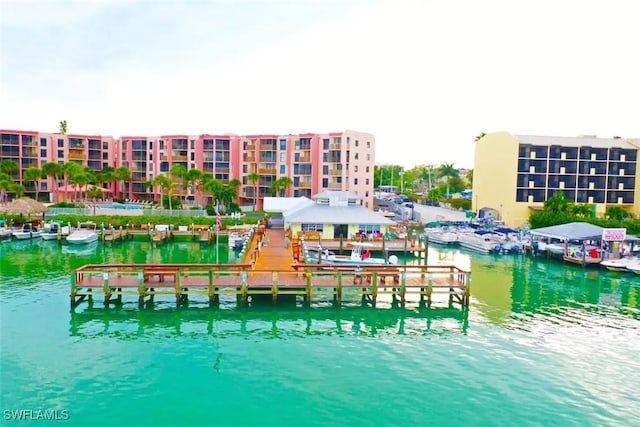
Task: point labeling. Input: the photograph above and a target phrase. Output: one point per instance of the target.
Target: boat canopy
(570, 231)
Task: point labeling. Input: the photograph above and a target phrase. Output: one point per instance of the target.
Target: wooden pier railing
(145, 281)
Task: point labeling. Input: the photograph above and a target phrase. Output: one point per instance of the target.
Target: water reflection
(269, 323)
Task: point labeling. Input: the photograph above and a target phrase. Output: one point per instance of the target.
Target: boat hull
(82, 239)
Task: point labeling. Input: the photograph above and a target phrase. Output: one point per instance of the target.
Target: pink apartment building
(314, 162)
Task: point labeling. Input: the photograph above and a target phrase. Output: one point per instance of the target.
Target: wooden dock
(114, 235)
(113, 281)
(269, 269)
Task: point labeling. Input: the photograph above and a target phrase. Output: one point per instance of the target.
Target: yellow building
(516, 173)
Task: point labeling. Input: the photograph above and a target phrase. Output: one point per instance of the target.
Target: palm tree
(33, 174)
(69, 170)
(52, 170)
(164, 182)
(80, 181)
(18, 189)
(285, 184)
(480, 136)
(63, 127)
(235, 184)
(8, 166)
(226, 194)
(123, 174)
(212, 186)
(179, 171)
(194, 178)
(5, 186)
(253, 177)
(447, 171)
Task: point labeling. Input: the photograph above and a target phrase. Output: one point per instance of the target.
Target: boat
(28, 232)
(443, 237)
(357, 256)
(6, 233)
(54, 231)
(634, 267)
(85, 233)
(620, 264)
(480, 241)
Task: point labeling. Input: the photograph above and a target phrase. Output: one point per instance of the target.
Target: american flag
(219, 220)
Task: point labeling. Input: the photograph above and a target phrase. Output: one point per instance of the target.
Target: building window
(325, 170)
(355, 181)
(355, 168)
(283, 169)
(368, 144)
(43, 142)
(60, 154)
(325, 144)
(355, 156)
(43, 153)
(60, 143)
(312, 227)
(367, 168)
(368, 156)
(367, 182)
(357, 143)
(369, 228)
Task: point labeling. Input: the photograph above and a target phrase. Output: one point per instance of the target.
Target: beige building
(515, 173)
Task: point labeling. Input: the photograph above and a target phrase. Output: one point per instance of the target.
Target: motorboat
(634, 267)
(6, 233)
(28, 232)
(85, 233)
(620, 264)
(54, 231)
(443, 237)
(360, 254)
(481, 241)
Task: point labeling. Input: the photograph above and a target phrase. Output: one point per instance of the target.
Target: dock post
(178, 289)
(243, 289)
(106, 287)
(467, 288)
(74, 290)
(339, 290)
(140, 287)
(374, 288)
(274, 286)
(308, 288)
(403, 287)
(429, 289)
(426, 249)
(212, 289)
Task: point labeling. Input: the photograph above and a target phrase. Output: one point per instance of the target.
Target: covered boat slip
(113, 281)
(582, 243)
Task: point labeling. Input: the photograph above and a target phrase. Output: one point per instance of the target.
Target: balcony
(77, 155)
(179, 158)
(249, 157)
(334, 187)
(335, 172)
(266, 171)
(304, 184)
(29, 152)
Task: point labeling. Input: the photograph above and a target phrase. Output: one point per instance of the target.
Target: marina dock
(269, 270)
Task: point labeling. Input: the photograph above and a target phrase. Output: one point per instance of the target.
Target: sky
(424, 77)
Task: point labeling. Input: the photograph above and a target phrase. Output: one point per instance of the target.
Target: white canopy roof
(570, 231)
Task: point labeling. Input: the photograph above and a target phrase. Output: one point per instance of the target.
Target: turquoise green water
(541, 344)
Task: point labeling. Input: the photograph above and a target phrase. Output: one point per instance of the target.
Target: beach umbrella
(24, 206)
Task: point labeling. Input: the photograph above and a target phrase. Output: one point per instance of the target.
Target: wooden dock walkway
(269, 269)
